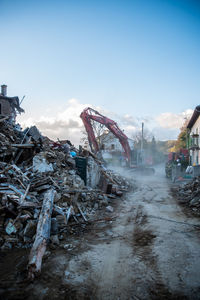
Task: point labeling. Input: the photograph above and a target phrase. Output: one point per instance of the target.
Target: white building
(193, 137)
(109, 142)
(111, 147)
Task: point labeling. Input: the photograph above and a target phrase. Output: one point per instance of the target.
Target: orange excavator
(89, 114)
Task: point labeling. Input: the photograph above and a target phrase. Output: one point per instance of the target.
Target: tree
(137, 137)
(182, 138)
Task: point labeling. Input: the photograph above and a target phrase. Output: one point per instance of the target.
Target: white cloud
(164, 134)
(173, 121)
(67, 124)
(165, 126)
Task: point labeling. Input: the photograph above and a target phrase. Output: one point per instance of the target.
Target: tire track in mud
(145, 278)
(142, 244)
(132, 274)
(145, 236)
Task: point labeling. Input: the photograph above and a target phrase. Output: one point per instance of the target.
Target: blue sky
(136, 58)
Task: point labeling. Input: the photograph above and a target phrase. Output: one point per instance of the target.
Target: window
(112, 146)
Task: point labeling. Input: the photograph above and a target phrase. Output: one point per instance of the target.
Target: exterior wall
(195, 154)
(111, 143)
(112, 149)
(6, 109)
(93, 173)
(196, 127)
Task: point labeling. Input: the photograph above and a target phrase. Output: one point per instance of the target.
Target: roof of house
(194, 117)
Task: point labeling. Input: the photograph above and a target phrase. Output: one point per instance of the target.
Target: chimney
(4, 90)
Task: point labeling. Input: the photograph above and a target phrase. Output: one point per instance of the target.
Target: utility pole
(142, 145)
(142, 140)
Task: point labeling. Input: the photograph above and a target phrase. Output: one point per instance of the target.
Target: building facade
(111, 148)
(193, 140)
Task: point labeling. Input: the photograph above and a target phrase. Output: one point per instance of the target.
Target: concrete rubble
(44, 195)
(189, 194)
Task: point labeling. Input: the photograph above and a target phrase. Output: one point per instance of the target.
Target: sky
(135, 61)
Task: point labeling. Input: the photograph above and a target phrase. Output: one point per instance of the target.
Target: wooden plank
(16, 190)
(81, 212)
(68, 213)
(42, 235)
(56, 185)
(25, 194)
(22, 146)
(107, 176)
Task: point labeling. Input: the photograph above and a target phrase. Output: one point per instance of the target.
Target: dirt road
(150, 251)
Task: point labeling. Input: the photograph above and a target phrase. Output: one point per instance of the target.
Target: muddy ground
(148, 248)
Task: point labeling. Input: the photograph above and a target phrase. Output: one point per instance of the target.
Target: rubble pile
(189, 194)
(9, 135)
(42, 194)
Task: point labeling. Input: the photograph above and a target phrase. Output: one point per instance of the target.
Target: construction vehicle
(89, 114)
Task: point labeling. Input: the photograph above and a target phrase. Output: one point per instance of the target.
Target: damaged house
(111, 148)
(9, 106)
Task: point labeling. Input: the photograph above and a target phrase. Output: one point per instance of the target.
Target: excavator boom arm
(89, 114)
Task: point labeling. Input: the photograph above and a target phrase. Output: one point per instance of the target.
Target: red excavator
(89, 114)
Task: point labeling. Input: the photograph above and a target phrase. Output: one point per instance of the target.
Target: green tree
(181, 141)
(182, 138)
